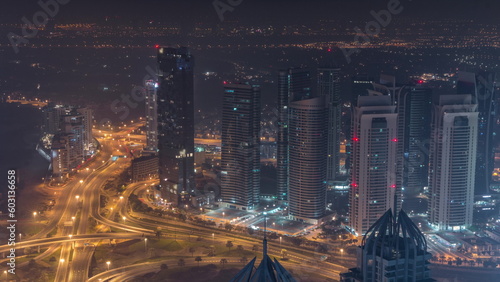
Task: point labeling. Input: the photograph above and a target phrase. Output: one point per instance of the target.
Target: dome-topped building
(391, 250)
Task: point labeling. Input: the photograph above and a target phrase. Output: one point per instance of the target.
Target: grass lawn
(205, 273)
(56, 255)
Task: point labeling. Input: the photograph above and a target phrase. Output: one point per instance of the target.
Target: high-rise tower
(414, 105)
(294, 84)
(240, 174)
(374, 188)
(307, 159)
(329, 87)
(151, 116)
(175, 122)
(452, 162)
(482, 88)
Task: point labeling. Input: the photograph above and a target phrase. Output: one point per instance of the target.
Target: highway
(79, 200)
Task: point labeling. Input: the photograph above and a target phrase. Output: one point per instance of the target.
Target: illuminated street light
(34, 216)
(124, 218)
(145, 244)
(73, 218)
(121, 197)
(108, 263)
(61, 260)
(280, 240)
(77, 197)
(213, 238)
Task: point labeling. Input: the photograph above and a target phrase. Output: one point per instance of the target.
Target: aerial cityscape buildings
(151, 115)
(175, 122)
(482, 88)
(452, 161)
(294, 84)
(189, 141)
(373, 169)
(240, 159)
(307, 122)
(329, 86)
(393, 249)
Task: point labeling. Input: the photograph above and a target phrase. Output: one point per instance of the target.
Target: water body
(19, 132)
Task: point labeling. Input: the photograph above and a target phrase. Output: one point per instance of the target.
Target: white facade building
(374, 188)
(452, 162)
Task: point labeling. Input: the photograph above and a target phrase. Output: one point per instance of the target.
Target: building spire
(264, 242)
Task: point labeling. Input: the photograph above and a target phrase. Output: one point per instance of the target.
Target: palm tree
(255, 248)
(192, 250)
(229, 244)
(181, 262)
(239, 248)
(223, 261)
(243, 259)
(198, 259)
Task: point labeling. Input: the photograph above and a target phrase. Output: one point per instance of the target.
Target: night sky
(251, 10)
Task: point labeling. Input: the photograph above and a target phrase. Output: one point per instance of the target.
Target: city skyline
(250, 140)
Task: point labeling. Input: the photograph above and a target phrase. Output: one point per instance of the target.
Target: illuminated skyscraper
(414, 114)
(482, 88)
(329, 86)
(374, 188)
(151, 116)
(293, 85)
(240, 168)
(452, 162)
(175, 122)
(307, 159)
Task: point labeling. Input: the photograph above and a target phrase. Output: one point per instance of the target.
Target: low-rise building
(144, 168)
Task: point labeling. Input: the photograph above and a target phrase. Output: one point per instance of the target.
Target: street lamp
(34, 216)
(280, 240)
(72, 242)
(81, 180)
(213, 238)
(20, 237)
(108, 263)
(61, 260)
(145, 244)
(124, 218)
(73, 218)
(77, 197)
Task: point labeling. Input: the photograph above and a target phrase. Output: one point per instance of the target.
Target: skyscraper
(175, 122)
(482, 88)
(73, 125)
(151, 116)
(414, 119)
(374, 188)
(307, 159)
(86, 114)
(329, 86)
(452, 162)
(393, 249)
(293, 84)
(240, 159)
